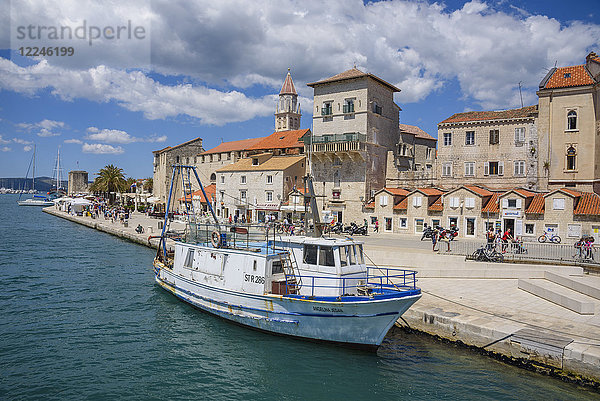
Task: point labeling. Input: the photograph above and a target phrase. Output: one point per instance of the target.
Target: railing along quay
(532, 252)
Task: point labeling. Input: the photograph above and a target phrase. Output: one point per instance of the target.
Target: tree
(109, 179)
(149, 184)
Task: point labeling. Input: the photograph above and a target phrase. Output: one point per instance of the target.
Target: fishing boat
(311, 287)
(36, 199)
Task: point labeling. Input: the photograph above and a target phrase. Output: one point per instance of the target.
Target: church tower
(287, 112)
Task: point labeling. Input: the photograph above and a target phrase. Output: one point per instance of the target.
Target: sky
(127, 78)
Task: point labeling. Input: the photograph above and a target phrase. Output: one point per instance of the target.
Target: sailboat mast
(33, 179)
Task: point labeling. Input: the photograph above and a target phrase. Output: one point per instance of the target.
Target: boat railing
(377, 281)
(234, 236)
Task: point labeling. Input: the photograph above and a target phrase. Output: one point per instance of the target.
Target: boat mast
(33, 179)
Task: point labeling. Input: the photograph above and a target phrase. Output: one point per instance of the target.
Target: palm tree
(109, 179)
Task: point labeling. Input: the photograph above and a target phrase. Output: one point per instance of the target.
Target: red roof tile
(571, 192)
(492, 205)
(525, 193)
(370, 205)
(537, 204)
(210, 192)
(402, 205)
(281, 140)
(436, 206)
(416, 131)
(479, 190)
(351, 74)
(589, 204)
(288, 87)
(523, 112)
(565, 77)
(232, 146)
(397, 191)
(430, 191)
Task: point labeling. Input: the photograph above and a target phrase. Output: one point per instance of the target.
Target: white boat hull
(363, 322)
(33, 202)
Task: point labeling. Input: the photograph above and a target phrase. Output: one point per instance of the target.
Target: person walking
(505, 238)
(490, 236)
(376, 226)
(434, 238)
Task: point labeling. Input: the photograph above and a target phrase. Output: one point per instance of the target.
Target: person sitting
(139, 229)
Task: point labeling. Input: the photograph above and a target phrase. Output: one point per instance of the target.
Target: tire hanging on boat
(215, 238)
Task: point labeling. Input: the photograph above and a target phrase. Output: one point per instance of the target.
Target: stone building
(494, 148)
(256, 186)
(209, 161)
(569, 126)
(355, 123)
(164, 159)
(78, 183)
(411, 164)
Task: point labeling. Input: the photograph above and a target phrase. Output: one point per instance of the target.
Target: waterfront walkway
(502, 308)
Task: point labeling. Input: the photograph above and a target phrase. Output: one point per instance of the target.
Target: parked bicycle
(487, 254)
(549, 237)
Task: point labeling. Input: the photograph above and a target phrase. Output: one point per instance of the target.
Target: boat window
(310, 254)
(189, 259)
(276, 267)
(326, 256)
(343, 258)
(351, 256)
(359, 254)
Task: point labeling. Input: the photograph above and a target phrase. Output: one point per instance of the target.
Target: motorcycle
(337, 228)
(427, 233)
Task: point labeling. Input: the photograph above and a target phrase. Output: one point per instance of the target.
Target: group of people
(438, 234)
(584, 248)
(498, 239)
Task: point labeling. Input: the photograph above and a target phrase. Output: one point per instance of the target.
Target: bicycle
(487, 254)
(549, 237)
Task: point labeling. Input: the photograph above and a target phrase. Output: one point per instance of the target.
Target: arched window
(572, 120)
(571, 158)
(213, 178)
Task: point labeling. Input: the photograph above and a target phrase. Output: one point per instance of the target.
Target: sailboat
(35, 200)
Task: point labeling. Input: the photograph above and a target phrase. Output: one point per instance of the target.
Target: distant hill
(42, 184)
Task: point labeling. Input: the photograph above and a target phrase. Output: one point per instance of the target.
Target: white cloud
(44, 128)
(22, 141)
(73, 140)
(5, 149)
(119, 136)
(99, 148)
(3, 141)
(27, 148)
(487, 47)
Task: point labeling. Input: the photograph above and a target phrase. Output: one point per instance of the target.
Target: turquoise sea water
(81, 318)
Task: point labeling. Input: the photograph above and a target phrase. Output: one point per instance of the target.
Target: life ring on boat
(215, 238)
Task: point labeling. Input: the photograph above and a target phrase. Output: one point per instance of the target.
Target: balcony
(348, 108)
(327, 111)
(353, 145)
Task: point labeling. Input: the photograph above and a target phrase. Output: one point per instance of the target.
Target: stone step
(493, 272)
(559, 295)
(589, 286)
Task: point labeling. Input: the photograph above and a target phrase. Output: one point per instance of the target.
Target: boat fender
(215, 238)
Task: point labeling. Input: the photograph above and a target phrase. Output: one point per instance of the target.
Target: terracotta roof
(210, 192)
(370, 205)
(589, 203)
(232, 146)
(429, 191)
(177, 146)
(565, 77)
(288, 87)
(281, 140)
(436, 206)
(416, 131)
(397, 191)
(351, 74)
(402, 205)
(524, 192)
(537, 204)
(567, 191)
(273, 163)
(479, 190)
(523, 112)
(492, 205)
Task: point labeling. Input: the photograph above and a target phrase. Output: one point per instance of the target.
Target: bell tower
(287, 112)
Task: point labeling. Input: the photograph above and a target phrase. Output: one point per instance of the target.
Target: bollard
(150, 229)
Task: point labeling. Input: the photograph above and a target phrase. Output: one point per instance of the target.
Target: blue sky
(213, 69)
